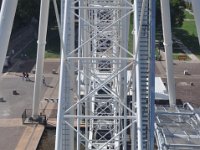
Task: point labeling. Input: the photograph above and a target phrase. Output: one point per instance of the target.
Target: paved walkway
(11, 122)
(34, 133)
(31, 137)
(189, 11)
(20, 136)
(193, 57)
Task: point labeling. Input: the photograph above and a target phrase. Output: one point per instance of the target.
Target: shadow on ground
(21, 66)
(186, 38)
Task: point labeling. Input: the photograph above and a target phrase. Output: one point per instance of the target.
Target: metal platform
(177, 128)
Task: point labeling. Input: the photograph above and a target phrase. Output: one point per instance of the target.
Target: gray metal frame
(177, 128)
(94, 86)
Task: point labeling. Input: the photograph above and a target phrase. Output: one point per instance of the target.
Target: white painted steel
(196, 10)
(60, 114)
(139, 93)
(166, 24)
(79, 107)
(98, 27)
(103, 36)
(101, 64)
(123, 75)
(7, 14)
(43, 22)
(193, 110)
(61, 96)
(86, 70)
(135, 38)
(160, 90)
(176, 129)
(64, 135)
(100, 117)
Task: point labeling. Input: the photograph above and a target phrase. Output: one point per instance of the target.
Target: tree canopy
(29, 9)
(26, 10)
(177, 13)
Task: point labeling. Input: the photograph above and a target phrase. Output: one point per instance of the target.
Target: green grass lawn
(176, 50)
(190, 27)
(188, 15)
(53, 44)
(51, 54)
(130, 39)
(187, 33)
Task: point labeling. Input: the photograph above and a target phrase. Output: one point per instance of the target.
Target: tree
(177, 13)
(26, 10)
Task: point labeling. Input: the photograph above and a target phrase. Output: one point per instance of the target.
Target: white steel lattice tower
(104, 98)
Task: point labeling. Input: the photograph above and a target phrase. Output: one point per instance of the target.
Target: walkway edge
(30, 138)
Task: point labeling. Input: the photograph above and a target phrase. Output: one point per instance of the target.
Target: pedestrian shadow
(49, 86)
(18, 65)
(2, 100)
(26, 79)
(29, 80)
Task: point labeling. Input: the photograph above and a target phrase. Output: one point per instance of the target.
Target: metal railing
(28, 119)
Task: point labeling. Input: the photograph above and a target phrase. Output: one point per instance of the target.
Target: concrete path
(30, 138)
(20, 136)
(189, 11)
(32, 135)
(193, 57)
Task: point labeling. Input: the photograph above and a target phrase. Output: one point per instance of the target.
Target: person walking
(23, 75)
(27, 77)
(43, 81)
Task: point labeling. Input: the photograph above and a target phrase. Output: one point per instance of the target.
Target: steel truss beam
(95, 89)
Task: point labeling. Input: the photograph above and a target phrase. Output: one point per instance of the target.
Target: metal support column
(44, 12)
(135, 35)
(167, 35)
(152, 73)
(65, 136)
(196, 10)
(8, 9)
